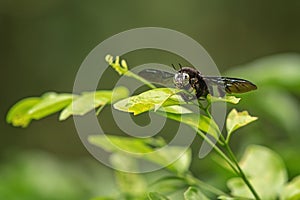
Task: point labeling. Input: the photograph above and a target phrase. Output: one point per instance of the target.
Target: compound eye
(186, 76)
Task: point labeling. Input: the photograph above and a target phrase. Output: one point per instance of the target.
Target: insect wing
(157, 76)
(231, 85)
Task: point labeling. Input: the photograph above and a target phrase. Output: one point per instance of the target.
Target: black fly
(191, 80)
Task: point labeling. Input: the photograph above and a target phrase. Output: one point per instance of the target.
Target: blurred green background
(44, 42)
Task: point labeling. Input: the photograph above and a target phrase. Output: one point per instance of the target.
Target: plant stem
(240, 172)
(232, 161)
(137, 77)
(120, 66)
(218, 151)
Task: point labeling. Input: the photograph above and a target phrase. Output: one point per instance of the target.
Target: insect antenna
(173, 67)
(180, 66)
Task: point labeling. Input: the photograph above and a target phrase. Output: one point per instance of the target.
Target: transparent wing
(157, 76)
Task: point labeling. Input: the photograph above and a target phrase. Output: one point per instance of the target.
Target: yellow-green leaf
(265, 170)
(176, 109)
(228, 99)
(120, 144)
(197, 122)
(236, 120)
(36, 108)
(150, 149)
(149, 100)
(157, 196)
(193, 193)
(50, 103)
(18, 114)
(291, 191)
(132, 184)
(88, 101)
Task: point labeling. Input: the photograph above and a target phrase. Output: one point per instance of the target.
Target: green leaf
(131, 184)
(146, 148)
(181, 165)
(228, 99)
(291, 191)
(264, 169)
(193, 193)
(176, 109)
(169, 184)
(88, 101)
(85, 102)
(18, 114)
(50, 103)
(120, 144)
(36, 108)
(236, 120)
(157, 196)
(197, 122)
(149, 100)
(233, 198)
(154, 99)
(119, 93)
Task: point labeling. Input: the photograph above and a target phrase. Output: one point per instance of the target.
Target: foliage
(260, 174)
(37, 108)
(236, 120)
(38, 175)
(277, 78)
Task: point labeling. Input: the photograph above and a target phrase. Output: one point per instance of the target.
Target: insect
(192, 80)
